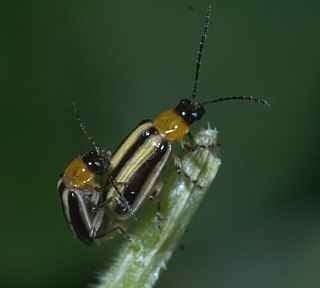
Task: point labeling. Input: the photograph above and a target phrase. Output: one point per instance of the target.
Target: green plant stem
(140, 264)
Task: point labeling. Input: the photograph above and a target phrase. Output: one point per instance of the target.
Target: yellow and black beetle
(94, 211)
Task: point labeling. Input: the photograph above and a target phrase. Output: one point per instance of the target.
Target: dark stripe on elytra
(61, 188)
(142, 174)
(76, 219)
(133, 148)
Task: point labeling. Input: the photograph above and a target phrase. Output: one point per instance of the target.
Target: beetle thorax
(170, 125)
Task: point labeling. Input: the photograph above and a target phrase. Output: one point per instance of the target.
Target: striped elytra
(80, 194)
(135, 167)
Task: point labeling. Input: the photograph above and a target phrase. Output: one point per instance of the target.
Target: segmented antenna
(243, 97)
(84, 129)
(102, 153)
(198, 62)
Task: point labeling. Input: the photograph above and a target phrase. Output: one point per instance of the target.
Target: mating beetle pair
(100, 192)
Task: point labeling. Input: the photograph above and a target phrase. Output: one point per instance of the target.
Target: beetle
(81, 195)
(140, 159)
(96, 209)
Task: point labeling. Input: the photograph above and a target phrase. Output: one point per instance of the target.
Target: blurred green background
(124, 61)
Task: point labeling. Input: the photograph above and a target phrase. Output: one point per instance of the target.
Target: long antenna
(243, 97)
(84, 129)
(198, 62)
(102, 153)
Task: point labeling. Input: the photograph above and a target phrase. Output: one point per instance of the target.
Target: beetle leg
(121, 200)
(109, 234)
(121, 231)
(188, 145)
(179, 169)
(192, 146)
(155, 191)
(177, 163)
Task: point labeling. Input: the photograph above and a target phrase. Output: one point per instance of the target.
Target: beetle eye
(198, 112)
(190, 111)
(94, 162)
(184, 102)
